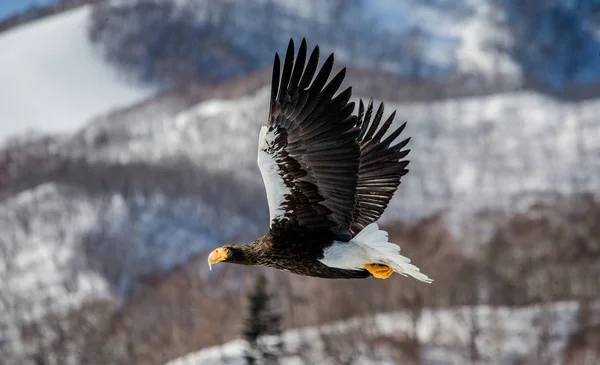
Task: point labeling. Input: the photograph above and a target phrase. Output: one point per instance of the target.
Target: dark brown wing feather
(314, 144)
(382, 165)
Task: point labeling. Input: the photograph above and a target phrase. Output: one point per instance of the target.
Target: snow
(466, 154)
(505, 334)
(37, 258)
(41, 228)
(456, 37)
(201, 133)
(473, 54)
(58, 240)
(474, 153)
(52, 79)
(482, 152)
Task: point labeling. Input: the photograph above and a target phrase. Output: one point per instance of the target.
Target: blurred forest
(156, 212)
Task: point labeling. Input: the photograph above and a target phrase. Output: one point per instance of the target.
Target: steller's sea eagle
(329, 175)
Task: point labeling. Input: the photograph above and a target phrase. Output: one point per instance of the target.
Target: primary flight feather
(328, 175)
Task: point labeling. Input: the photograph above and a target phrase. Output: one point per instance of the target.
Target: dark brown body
(313, 267)
(299, 254)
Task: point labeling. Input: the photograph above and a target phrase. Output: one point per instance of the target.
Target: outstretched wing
(308, 153)
(381, 165)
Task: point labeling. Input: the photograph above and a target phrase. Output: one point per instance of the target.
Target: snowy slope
(62, 246)
(53, 80)
(40, 256)
(506, 334)
(468, 153)
(444, 37)
(458, 34)
(483, 42)
(380, 34)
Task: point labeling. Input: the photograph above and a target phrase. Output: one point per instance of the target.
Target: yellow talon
(379, 271)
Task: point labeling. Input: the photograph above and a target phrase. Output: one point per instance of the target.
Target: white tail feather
(387, 253)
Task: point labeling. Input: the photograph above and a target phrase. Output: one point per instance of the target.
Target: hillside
(453, 336)
(468, 153)
(58, 84)
(495, 45)
(112, 192)
(140, 192)
(435, 41)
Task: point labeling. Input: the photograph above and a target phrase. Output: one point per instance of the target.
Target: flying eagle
(329, 175)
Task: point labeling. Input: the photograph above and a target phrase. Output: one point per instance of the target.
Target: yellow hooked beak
(218, 255)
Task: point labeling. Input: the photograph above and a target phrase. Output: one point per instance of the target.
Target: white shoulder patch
(274, 186)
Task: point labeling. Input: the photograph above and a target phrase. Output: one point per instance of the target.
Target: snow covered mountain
(472, 152)
(453, 336)
(54, 81)
(121, 191)
(409, 38)
(123, 194)
(491, 44)
(138, 191)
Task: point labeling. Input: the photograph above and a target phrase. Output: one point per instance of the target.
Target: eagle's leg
(379, 271)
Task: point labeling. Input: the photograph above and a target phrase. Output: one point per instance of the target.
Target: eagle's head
(236, 254)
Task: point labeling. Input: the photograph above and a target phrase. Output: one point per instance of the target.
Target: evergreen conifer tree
(262, 322)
